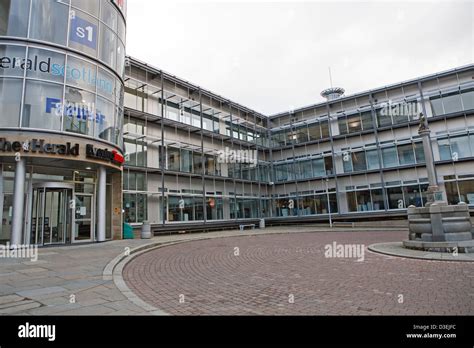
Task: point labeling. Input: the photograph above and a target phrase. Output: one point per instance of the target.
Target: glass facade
(54, 81)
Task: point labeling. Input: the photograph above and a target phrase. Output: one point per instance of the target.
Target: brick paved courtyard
(206, 277)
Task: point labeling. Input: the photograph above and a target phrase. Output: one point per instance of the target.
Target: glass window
(468, 100)
(42, 108)
(10, 101)
(383, 117)
(11, 60)
(460, 147)
(452, 103)
(121, 28)
(104, 119)
(314, 131)
(91, 7)
(358, 161)
(419, 153)
(81, 73)
(281, 173)
(324, 129)
(342, 122)
(46, 65)
(46, 17)
(347, 162)
(106, 85)
(377, 199)
(366, 118)
(372, 159)
(14, 17)
(466, 191)
(173, 159)
(197, 163)
(108, 42)
(389, 157)
(353, 124)
(186, 161)
(328, 165)
(413, 196)
(444, 149)
(406, 154)
(452, 192)
(437, 106)
(108, 15)
(79, 111)
(83, 32)
(395, 198)
(318, 167)
(121, 59)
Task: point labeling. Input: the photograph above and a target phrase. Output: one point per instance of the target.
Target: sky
(275, 56)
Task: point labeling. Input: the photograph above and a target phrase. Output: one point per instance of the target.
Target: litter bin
(127, 231)
(262, 224)
(146, 230)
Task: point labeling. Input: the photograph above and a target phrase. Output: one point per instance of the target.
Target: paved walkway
(76, 280)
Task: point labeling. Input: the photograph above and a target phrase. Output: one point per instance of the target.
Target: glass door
(51, 215)
(83, 217)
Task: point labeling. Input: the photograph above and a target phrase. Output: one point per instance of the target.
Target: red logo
(118, 157)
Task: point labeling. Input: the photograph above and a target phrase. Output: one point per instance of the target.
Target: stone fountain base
(440, 227)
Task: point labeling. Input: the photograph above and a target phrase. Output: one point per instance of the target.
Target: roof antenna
(333, 92)
(330, 76)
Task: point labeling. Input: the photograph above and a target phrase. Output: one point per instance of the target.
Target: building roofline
(376, 90)
(183, 82)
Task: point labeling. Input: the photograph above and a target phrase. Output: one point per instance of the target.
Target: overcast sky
(274, 56)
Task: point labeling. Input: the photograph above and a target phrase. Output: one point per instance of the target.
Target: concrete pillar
(101, 204)
(18, 202)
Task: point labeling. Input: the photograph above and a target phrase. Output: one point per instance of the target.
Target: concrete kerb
(396, 249)
(114, 269)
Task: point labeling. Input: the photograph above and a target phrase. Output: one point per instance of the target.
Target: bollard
(262, 224)
(146, 230)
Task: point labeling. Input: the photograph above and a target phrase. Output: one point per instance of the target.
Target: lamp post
(329, 204)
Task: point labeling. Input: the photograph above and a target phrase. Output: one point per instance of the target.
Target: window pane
(79, 111)
(108, 14)
(444, 149)
(104, 119)
(419, 153)
(437, 106)
(354, 124)
(372, 159)
(366, 118)
(108, 46)
(395, 198)
(389, 157)
(14, 17)
(358, 161)
(314, 131)
(406, 154)
(43, 106)
(11, 60)
(81, 73)
(91, 7)
(46, 65)
(466, 191)
(10, 100)
(46, 17)
(468, 100)
(83, 32)
(342, 122)
(452, 103)
(460, 147)
(318, 167)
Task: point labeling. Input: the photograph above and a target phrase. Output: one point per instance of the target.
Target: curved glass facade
(62, 80)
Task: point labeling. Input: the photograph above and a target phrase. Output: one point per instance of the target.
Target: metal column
(101, 205)
(18, 202)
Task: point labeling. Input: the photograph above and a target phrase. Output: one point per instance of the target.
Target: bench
(343, 224)
(241, 227)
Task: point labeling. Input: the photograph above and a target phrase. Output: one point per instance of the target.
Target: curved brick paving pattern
(270, 268)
